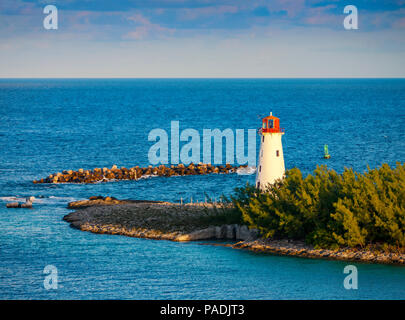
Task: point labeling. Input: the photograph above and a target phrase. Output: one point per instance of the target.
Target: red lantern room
(271, 124)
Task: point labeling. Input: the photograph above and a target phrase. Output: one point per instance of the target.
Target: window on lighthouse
(277, 153)
(271, 124)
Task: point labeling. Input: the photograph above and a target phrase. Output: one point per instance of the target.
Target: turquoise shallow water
(51, 125)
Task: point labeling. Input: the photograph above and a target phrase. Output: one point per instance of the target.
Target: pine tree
(328, 209)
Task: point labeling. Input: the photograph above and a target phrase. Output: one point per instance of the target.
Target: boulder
(203, 234)
(13, 205)
(230, 231)
(219, 233)
(27, 204)
(96, 197)
(110, 175)
(243, 233)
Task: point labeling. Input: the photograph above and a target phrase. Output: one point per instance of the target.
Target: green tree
(328, 209)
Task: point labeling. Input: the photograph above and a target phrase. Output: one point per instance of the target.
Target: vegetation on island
(330, 210)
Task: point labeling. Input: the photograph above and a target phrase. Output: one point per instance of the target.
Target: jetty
(178, 222)
(135, 173)
(157, 220)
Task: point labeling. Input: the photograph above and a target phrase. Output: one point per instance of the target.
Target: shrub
(328, 209)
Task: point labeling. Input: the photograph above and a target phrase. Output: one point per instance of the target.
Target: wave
(40, 199)
(13, 199)
(53, 199)
(246, 170)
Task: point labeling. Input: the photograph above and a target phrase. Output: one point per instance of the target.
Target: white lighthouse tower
(271, 158)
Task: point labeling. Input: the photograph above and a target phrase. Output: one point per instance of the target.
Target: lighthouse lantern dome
(271, 124)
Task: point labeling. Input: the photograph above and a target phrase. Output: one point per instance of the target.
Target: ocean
(49, 125)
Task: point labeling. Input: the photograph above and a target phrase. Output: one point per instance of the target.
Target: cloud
(400, 23)
(206, 12)
(208, 38)
(146, 29)
(108, 19)
(323, 15)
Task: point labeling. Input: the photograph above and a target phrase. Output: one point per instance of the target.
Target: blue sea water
(50, 125)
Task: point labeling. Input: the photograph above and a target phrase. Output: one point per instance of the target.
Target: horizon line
(157, 78)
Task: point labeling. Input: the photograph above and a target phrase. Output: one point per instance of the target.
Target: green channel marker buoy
(326, 155)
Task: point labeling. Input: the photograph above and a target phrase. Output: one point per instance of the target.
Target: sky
(202, 38)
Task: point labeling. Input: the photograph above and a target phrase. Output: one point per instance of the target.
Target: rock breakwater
(135, 173)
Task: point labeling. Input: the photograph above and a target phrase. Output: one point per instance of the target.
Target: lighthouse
(271, 159)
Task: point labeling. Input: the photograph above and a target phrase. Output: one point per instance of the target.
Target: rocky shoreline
(154, 220)
(197, 222)
(300, 249)
(134, 173)
(103, 201)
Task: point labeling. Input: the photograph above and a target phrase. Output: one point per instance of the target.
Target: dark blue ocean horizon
(49, 125)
